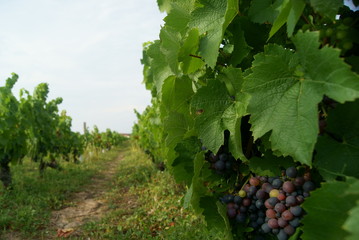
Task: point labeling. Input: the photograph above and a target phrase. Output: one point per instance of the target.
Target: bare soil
(85, 206)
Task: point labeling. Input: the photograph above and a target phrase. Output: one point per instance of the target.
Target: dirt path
(88, 205)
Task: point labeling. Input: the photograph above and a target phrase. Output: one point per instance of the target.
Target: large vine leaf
(188, 51)
(159, 66)
(211, 18)
(180, 14)
(339, 155)
(219, 111)
(327, 210)
(176, 96)
(327, 8)
(351, 224)
(289, 13)
(264, 11)
(170, 47)
(285, 88)
(183, 166)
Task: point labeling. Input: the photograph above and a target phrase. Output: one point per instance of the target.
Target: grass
(146, 204)
(26, 210)
(143, 202)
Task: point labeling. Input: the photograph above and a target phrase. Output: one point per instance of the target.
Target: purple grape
(228, 165)
(291, 201)
(282, 235)
(287, 215)
(260, 220)
(308, 186)
(299, 181)
(296, 211)
(279, 207)
(241, 218)
(227, 198)
(261, 194)
(275, 231)
(265, 228)
(237, 199)
(252, 190)
(282, 223)
(223, 157)
(220, 165)
(273, 223)
(259, 204)
(288, 187)
(277, 183)
(295, 222)
(291, 172)
(242, 209)
(231, 212)
(246, 202)
(289, 229)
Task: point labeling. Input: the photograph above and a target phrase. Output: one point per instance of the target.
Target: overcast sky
(88, 51)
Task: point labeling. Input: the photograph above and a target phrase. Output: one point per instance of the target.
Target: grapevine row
(242, 91)
(33, 127)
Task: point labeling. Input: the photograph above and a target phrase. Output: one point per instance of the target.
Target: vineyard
(33, 127)
(255, 110)
(252, 134)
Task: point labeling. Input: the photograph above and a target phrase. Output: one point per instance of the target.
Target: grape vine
(32, 126)
(244, 90)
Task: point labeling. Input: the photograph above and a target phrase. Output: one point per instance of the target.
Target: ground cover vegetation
(255, 110)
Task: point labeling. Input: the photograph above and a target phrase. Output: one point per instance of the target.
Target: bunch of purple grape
(222, 163)
(271, 205)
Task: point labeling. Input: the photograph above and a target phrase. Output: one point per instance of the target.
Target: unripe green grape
(329, 32)
(341, 34)
(242, 193)
(347, 45)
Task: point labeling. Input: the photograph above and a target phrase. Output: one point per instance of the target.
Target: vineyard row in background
(33, 127)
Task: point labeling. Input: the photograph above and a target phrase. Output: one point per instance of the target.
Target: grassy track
(142, 203)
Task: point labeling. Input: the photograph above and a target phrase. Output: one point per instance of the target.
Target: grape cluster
(222, 163)
(271, 205)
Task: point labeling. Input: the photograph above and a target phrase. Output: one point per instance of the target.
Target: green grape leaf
(188, 51)
(241, 48)
(264, 11)
(269, 165)
(327, 8)
(218, 111)
(211, 213)
(294, 15)
(170, 47)
(327, 209)
(339, 156)
(211, 18)
(176, 96)
(351, 224)
(159, 67)
(290, 13)
(197, 189)
(285, 88)
(343, 121)
(164, 5)
(180, 15)
(183, 163)
(335, 158)
(177, 93)
(176, 125)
